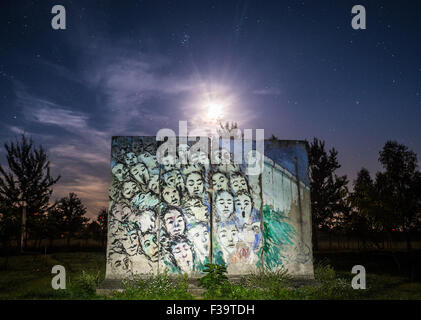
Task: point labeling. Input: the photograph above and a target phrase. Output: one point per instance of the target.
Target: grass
(29, 277)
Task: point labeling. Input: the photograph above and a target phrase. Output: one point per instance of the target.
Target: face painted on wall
(174, 222)
(238, 183)
(169, 162)
(121, 212)
(130, 242)
(200, 158)
(243, 206)
(149, 246)
(228, 237)
(171, 196)
(179, 181)
(140, 173)
(196, 208)
(130, 159)
(222, 156)
(224, 205)
(149, 160)
(174, 179)
(194, 184)
(153, 184)
(147, 221)
(183, 153)
(130, 189)
(250, 231)
(120, 172)
(219, 182)
(199, 235)
(118, 262)
(183, 255)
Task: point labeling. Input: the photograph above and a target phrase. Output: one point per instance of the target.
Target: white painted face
(171, 196)
(130, 159)
(183, 153)
(197, 209)
(191, 168)
(194, 184)
(238, 183)
(228, 237)
(179, 181)
(224, 205)
(243, 206)
(117, 262)
(200, 158)
(222, 156)
(199, 235)
(220, 182)
(183, 254)
(121, 213)
(154, 184)
(149, 246)
(149, 160)
(130, 242)
(119, 171)
(174, 179)
(147, 221)
(130, 189)
(169, 162)
(174, 223)
(140, 173)
(250, 231)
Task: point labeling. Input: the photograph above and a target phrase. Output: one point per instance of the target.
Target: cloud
(267, 91)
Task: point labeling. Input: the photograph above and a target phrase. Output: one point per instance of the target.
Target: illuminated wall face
(175, 217)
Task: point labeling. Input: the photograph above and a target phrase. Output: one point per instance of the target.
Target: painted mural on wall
(237, 236)
(162, 214)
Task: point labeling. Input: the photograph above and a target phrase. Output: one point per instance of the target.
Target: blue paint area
(283, 153)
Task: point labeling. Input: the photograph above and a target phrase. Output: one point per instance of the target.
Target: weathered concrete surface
(176, 217)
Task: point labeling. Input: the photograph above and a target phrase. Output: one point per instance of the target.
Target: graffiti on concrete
(179, 213)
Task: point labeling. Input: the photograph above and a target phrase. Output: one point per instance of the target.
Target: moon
(215, 110)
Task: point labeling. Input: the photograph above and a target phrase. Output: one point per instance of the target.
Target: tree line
(26, 209)
(375, 207)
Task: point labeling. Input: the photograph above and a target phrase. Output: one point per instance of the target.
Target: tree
(55, 224)
(328, 191)
(73, 213)
(99, 227)
(399, 188)
(103, 223)
(27, 182)
(366, 218)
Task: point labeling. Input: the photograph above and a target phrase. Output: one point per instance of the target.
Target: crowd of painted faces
(179, 239)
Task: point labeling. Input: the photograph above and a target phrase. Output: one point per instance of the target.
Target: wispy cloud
(267, 91)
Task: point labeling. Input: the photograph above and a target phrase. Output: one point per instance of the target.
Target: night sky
(294, 68)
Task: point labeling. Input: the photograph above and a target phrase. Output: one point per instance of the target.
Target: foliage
(159, 287)
(399, 186)
(328, 191)
(330, 286)
(393, 200)
(27, 180)
(73, 212)
(84, 286)
(215, 280)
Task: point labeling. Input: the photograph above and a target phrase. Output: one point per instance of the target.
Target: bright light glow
(215, 110)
